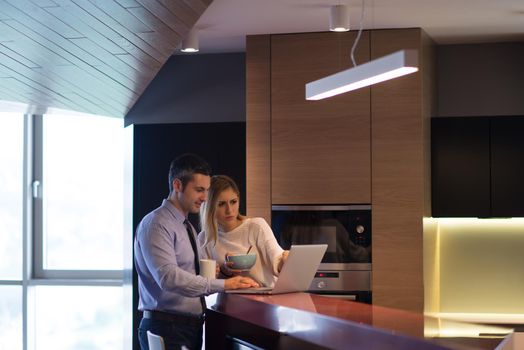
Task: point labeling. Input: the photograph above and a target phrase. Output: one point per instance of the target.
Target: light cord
(359, 34)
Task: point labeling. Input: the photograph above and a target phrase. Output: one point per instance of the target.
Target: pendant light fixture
(190, 42)
(385, 68)
(339, 18)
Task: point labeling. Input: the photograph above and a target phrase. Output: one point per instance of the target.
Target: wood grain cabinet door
(320, 150)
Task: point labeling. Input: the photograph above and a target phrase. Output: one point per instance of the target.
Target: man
(170, 290)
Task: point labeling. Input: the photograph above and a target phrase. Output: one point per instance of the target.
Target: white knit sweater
(251, 232)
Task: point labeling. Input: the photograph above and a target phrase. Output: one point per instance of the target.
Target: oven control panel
(327, 275)
(341, 281)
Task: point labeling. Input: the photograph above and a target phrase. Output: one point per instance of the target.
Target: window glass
(83, 197)
(11, 195)
(11, 318)
(78, 317)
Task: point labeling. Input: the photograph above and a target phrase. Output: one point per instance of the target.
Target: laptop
(296, 274)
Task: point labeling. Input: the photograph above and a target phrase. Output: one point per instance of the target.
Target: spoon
(249, 249)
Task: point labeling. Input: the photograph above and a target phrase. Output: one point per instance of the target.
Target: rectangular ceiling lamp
(388, 67)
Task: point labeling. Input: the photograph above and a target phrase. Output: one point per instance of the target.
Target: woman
(226, 232)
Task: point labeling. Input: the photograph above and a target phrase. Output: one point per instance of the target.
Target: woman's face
(227, 209)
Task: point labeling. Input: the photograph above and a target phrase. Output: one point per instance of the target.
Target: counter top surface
(331, 322)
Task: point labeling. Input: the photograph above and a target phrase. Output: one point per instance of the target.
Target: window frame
(39, 271)
(33, 273)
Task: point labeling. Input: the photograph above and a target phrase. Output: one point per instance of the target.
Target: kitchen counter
(309, 321)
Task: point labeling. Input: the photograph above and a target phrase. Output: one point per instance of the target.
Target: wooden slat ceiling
(90, 56)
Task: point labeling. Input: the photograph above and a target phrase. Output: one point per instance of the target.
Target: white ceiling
(224, 25)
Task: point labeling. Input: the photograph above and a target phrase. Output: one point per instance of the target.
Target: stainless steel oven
(346, 229)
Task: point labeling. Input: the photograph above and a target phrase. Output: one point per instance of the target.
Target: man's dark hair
(183, 167)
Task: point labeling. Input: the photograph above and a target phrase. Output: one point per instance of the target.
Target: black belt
(175, 318)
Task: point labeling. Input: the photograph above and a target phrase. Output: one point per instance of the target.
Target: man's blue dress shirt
(164, 260)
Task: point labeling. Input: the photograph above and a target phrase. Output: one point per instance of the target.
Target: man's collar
(174, 210)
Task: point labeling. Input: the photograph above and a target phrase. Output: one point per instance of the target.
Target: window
(11, 317)
(65, 291)
(82, 196)
(11, 195)
(78, 317)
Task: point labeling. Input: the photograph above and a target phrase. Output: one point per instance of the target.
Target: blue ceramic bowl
(242, 261)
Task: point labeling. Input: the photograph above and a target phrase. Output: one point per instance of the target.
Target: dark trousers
(175, 335)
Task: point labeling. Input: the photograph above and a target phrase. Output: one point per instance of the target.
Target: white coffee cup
(208, 268)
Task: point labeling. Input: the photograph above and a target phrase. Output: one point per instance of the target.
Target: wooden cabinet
(320, 150)
(258, 127)
(400, 116)
(477, 167)
(367, 146)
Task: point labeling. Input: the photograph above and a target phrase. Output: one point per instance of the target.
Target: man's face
(194, 194)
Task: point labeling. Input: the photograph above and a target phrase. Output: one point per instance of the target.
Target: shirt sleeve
(268, 243)
(158, 250)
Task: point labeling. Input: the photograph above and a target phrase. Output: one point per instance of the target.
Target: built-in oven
(346, 267)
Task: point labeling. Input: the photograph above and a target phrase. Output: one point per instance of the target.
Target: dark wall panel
(194, 89)
(223, 145)
(480, 79)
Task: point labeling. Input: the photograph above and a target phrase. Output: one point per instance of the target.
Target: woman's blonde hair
(219, 183)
